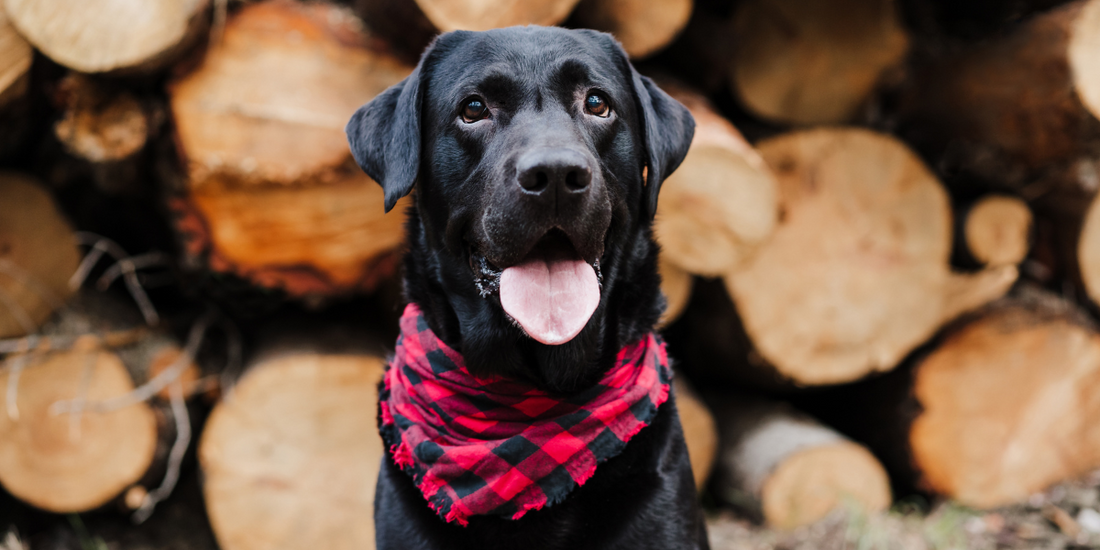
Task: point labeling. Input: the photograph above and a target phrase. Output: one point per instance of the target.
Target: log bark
(700, 432)
(997, 230)
(15, 61)
(1018, 111)
(482, 15)
(810, 62)
(272, 193)
(721, 204)
(109, 35)
(999, 408)
(787, 468)
(291, 460)
(861, 219)
(642, 26)
(38, 254)
(73, 463)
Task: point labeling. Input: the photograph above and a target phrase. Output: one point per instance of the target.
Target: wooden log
(67, 462)
(38, 254)
(272, 193)
(109, 35)
(997, 230)
(721, 204)
(99, 122)
(642, 26)
(1002, 405)
(1016, 108)
(1088, 251)
(15, 61)
(788, 469)
(482, 15)
(862, 218)
(291, 460)
(700, 432)
(676, 286)
(812, 62)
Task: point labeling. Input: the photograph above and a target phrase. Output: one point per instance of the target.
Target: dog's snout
(545, 171)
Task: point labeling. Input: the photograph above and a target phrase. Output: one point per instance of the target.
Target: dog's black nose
(540, 170)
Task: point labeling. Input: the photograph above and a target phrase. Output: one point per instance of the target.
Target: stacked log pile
(880, 257)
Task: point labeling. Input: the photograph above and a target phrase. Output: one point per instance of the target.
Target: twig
(39, 343)
(175, 456)
(233, 359)
(157, 383)
(124, 264)
(78, 403)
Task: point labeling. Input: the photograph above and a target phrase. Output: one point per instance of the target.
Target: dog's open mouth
(551, 293)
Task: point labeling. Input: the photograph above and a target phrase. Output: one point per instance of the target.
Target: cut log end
(676, 286)
(100, 124)
(38, 254)
(997, 231)
(811, 483)
(1088, 251)
(482, 15)
(65, 464)
(15, 61)
(291, 461)
(107, 36)
(721, 203)
(272, 192)
(700, 431)
(862, 217)
(1084, 63)
(1031, 424)
(642, 26)
(812, 62)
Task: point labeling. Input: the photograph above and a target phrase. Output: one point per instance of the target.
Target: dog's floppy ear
(384, 136)
(667, 127)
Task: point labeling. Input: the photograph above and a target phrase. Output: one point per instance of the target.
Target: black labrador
(521, 141)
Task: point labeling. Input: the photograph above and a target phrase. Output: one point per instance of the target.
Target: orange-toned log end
(38, 254)
(997, 230)
(676, 285)
(1009, 404)
(63, 463)
(813, 61)
(291, 461)
(643, 27)
(482, 15)
(272, 193)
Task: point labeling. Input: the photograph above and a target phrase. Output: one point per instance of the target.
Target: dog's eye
(595, 104)
(474, 110)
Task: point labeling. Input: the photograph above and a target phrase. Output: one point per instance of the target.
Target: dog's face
(537, 154)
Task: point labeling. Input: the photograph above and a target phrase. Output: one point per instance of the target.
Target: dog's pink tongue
(550, 297)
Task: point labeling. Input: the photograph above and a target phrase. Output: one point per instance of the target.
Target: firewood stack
(881, 255)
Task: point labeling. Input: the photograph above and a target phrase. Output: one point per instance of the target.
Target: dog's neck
(491, 344)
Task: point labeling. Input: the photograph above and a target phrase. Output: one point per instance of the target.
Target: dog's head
(537, 154)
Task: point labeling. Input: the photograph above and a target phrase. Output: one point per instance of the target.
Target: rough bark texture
(811, 61)
(15, 61)
(272, 193)
(642, 26)
(291, 460)
(66, 463)
(788, 468)
(861, 218)
(38, 254)
(721, 203)
(482, 15)
(108, 35)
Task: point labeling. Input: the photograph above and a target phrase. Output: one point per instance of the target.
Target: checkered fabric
(497, 446)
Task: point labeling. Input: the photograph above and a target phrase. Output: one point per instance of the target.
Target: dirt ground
(1066, 517)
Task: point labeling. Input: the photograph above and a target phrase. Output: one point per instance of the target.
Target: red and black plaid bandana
(495, 446)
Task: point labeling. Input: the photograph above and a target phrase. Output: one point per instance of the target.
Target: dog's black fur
(475, 214)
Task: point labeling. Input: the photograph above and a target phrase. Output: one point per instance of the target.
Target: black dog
(537, 143)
